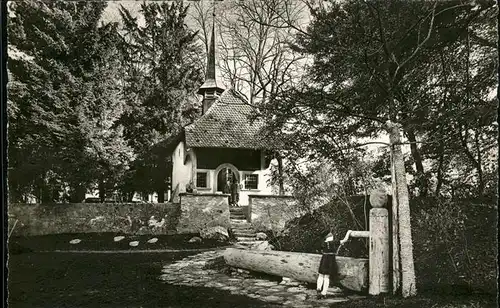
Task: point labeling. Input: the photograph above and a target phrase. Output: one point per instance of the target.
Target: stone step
(246, 238)
(236, 227)
(248, 243)
(237, 209)
(244, 233)
(239, 221)
(242, 229)
(238, 216)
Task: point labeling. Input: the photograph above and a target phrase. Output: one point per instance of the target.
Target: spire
(210, 88)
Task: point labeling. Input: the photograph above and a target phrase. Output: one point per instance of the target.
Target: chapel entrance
(225, 175)
(228, 183)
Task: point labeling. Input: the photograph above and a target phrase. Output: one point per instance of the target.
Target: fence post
(379, 252)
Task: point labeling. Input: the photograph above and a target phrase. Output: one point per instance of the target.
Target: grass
(104, 241)
(111, 280)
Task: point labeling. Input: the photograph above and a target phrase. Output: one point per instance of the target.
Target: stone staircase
(241, 227)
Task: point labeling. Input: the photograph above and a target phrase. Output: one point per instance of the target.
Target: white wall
(263, 188)
(181, 173)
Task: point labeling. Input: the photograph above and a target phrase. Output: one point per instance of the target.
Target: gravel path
(194, 271)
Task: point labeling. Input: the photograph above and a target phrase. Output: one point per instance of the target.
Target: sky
(134, 6)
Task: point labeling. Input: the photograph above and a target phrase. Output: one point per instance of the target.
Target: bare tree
(254, 47)
(202, 16)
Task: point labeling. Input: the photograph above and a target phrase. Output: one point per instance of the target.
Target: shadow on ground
(107, 280)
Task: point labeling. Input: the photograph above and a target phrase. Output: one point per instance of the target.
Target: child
(327, 267)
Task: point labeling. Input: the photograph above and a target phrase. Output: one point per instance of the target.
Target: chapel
(222, 147)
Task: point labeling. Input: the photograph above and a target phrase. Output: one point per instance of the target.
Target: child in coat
(328, 270)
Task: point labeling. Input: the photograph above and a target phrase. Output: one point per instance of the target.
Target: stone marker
(217, 232)
(261, 236)
(289, 281)
(195, 240)
(118, 238)
(134, 243)
(75, 241)
(264, 245)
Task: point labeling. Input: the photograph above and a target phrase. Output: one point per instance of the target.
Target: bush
(305, 234)
(455, 243)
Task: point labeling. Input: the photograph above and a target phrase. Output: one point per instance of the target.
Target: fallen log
(353, 272)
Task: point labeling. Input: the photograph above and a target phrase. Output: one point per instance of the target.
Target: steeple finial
(210, 74)
(210, 88)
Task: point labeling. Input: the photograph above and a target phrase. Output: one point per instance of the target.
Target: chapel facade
(222, 147)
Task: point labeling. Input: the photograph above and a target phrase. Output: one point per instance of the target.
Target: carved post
(379, 252)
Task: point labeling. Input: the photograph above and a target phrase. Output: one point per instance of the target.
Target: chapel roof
(226, 124)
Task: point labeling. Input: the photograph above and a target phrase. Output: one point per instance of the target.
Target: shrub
(455, 243)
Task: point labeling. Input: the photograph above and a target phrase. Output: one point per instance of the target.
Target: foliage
(88, 100)
(63, 103)
(456, 244)
(427, 66)
(162, 70)
(454, 241)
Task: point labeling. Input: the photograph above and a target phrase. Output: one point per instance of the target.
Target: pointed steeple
(210, 89)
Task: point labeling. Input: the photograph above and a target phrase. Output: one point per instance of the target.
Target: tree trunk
(480, 188)
(470, 155)
(102, 190)
(408, 281)
(396, 262)
(280, 174)
(77, 194)
(439, 175)
(353, 272)
(415, 153)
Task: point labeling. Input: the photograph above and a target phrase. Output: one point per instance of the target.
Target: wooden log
(353, 272)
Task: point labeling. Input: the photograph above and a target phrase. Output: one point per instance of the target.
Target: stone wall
(271, 212)
(127, 218)
(198, 211)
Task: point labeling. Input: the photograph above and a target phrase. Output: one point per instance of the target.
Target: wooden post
(379, 252)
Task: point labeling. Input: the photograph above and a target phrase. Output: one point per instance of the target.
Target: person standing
(328, 269)
(235, 192)
(227, 190)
